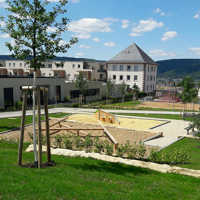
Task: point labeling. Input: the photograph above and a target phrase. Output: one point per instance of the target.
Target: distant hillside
(178, 68)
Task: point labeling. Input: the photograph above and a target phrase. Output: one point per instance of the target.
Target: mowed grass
(125, 104)
(14, 122)
(88, 179)
(160, 116)
(192, 147)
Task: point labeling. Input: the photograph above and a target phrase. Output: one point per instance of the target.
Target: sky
(164, 29)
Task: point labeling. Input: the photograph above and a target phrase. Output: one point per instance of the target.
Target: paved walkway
(83, 110)
(171, 132)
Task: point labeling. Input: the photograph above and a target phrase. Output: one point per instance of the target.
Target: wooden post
(47, 125)
(39, 130)
(21, 140)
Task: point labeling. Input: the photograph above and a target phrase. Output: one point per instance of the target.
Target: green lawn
(161, 116)
(192, 146)
(88, 179)
(11, 123)
(125, 104)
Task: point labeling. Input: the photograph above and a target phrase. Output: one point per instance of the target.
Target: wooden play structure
(38, 90)
(106, 117)
(62, 126)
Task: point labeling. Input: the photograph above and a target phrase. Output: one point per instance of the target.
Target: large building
(61, 67)
(133, 66)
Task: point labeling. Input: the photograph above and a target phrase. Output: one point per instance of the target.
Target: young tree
(189, 91)
(123, 90)
(36, 28)
(109, 88)
(135, 91)
(82, 84)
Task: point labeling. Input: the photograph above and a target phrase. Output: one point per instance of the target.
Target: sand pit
(125, 122)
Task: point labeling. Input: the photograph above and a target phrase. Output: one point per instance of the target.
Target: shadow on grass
(114, 168)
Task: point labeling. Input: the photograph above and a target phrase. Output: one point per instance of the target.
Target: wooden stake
(47, 125)
(39, 130)
(21, 140)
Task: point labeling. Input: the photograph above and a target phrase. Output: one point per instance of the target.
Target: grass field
(160, 116)
(14, 122)
(88, 179)
(192, 146)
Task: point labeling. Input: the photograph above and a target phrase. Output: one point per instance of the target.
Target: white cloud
(2, 1)
(80, 54)
(85, 26)
(135, 34)
(51, 29)
(159, 11)
(109, 44)
(96, 39)
(84, 46)
(195, 50)
(169, 35)
(146, 26)
(158, 53)
(2, 24)
(5, 36)
(110, 19)
(125, 23)
(197, 15)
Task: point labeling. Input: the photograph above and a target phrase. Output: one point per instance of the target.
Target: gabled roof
(132, 54)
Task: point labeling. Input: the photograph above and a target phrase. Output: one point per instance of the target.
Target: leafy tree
(136, 92)
(123, 90)
(36, 27)
(82, 84)
(109, 88)
(189, 91)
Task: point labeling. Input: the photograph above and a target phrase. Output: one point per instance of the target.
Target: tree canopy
(36, 27)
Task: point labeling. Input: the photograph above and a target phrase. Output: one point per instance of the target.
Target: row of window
(128, 77)
(150, 87)
(151, 69)
(134, 68)
(151, 78)
(78, 66)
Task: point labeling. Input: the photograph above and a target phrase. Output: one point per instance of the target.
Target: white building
(63, 67)
(133, 66)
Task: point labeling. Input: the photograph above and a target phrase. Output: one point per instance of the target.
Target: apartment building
(61, 67)
(133, 66)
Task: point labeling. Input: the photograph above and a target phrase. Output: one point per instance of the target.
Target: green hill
(178, 68)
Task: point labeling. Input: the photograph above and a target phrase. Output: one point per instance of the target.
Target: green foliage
(176, 157)
(99, 145)
(78, 142)
(88, 143)
(58, 141)
(67, 142)
(109, 148)
(28, 25)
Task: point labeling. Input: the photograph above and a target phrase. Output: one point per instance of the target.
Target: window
(13, 64)
(121, 68)
(73, 66)
(121, 78)
(9, 64)
(128, 68)
(114, 77)
(79, 66)
(128, 78)
(136, 68)
(151, 78)
(152, 69)
(49, 65)
(135, 77)
(20, 64)
(114, 68)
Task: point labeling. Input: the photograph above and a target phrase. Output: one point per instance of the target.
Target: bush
(75, 105)
(88, 143)
(78, 142)
(175, 157)
(58, 141)
(99, 146)
(68, 144)
(141, 150)
(108, 148)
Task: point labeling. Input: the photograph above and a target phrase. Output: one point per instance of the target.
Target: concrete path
(171, 133)
(84, 110)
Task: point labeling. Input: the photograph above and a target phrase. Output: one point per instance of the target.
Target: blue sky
(163, 29)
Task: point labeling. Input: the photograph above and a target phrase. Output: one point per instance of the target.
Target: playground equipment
(106, 117)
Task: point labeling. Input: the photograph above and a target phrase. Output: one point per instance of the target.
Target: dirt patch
(167, 105)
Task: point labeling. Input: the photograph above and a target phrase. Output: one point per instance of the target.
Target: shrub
(68, 144)
(75, 105)
(99, 146)
(108, 148)
(141, 150)
(78, 142)
(58, 141)
(88, 143)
